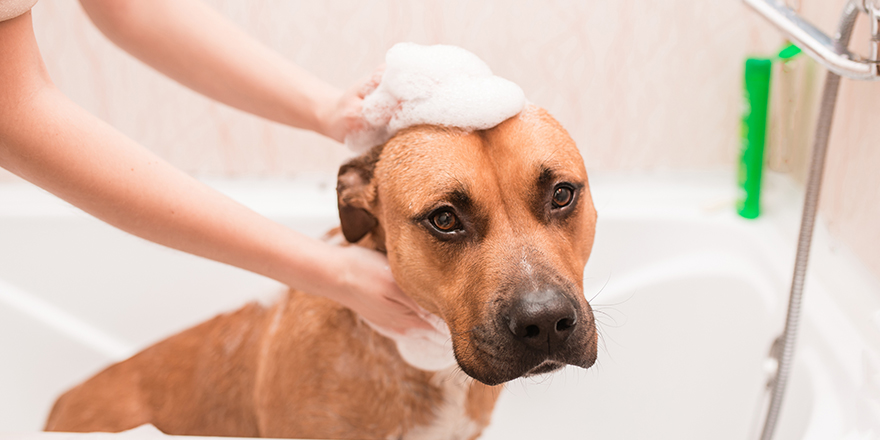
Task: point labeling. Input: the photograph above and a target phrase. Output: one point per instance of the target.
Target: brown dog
(489, 230)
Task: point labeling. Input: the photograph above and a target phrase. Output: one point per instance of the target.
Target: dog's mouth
(544, 367)
(497, 368)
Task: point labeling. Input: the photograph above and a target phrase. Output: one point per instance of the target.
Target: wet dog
(489, 230)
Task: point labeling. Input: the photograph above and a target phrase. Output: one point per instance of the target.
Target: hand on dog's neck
(429, 350)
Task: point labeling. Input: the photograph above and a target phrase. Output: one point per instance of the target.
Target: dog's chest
(352, 383)
(451, 419)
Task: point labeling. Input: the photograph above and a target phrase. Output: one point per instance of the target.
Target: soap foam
(428, 350)
(436, 85)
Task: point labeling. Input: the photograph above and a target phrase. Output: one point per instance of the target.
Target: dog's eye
(562, 196)
(445, 221)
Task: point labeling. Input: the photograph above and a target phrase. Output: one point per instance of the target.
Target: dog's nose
(542, 319)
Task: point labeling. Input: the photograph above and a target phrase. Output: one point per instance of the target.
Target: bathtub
(688, 298)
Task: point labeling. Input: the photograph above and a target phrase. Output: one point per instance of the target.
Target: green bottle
(752, 134)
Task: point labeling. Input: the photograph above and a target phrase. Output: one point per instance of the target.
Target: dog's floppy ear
(353, 197)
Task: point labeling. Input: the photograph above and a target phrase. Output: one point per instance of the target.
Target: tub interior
(688, 298)
(678, 371)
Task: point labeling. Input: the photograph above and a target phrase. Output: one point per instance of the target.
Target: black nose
(542, 319)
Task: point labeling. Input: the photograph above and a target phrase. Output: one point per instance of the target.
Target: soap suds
(436, 85)
(428, 350)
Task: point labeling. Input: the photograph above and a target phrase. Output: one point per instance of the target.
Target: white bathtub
(689, 298)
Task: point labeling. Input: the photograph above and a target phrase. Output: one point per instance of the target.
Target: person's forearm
(198, 47)
(68, 152)
(48, 140)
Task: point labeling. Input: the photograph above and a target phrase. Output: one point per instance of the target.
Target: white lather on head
(437, 85)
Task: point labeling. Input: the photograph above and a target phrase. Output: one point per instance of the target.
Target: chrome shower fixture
(822, 47)
(833, 54)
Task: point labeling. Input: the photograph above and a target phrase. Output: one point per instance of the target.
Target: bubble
(437, 85)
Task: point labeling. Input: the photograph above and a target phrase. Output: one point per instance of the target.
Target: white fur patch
(451, 421)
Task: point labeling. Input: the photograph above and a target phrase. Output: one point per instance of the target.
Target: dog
(489, 230)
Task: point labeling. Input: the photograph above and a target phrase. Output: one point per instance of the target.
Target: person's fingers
(377, 297)
(412, 305)
(393, 317)
(372, 82)
(412, 315)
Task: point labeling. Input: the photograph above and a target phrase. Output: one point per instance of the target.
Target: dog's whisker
(601, 289)
(624, 301)
(602, 313)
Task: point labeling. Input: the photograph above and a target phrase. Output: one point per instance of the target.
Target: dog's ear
(353, 197)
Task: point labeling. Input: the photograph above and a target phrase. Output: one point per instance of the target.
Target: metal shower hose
(808, 218)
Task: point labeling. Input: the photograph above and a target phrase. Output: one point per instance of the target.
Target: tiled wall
(850, 199)
(639, 88)
(640, 85)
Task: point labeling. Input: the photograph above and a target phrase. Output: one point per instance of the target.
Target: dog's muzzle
(533, 332)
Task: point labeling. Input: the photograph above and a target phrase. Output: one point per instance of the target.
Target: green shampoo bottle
(752, 135)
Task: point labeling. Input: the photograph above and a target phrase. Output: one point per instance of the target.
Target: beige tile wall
(851, 195)
(850, 200)
(640, 85)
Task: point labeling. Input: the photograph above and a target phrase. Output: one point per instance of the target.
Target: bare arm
(196, 46)
(50, 141)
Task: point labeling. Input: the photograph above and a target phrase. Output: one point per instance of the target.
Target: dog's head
(490, 230)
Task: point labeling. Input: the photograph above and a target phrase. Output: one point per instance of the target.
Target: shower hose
(784, 346)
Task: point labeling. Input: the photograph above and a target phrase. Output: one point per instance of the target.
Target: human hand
(370, 290)
(344, 115)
